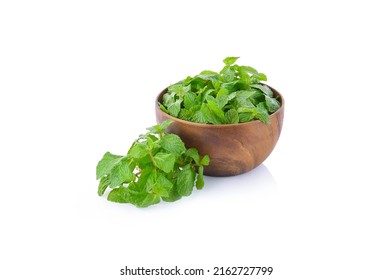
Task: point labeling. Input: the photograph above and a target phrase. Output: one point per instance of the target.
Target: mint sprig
(234, 95)
(157, 167)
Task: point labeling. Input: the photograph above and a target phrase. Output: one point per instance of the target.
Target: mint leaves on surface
(234, 95)
(157, 166)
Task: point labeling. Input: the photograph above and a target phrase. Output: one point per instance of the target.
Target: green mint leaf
(232, 116)
(164, 125)
(211, 112)
(210, 78)
(245, 94)
(173, 144)
(199, 117)
(190, 100)
(208, 115)
(186, 180)
(249, 70)
(203, 95)
(244, 103)
(244, 78)
(194, 109)
(257, 97)
(185, 89)
(185, 115)
(197, 84)
(216, 85)
(262, 113)
(246, 116)
(209, 73)
(144, 176)
(261, 77)
(193, 154)
(162, 107)
(247, 110)
(173, 195)
(210, 98)
(162, 186)
(151, 181)
(143, 200)
(106, 164)
(174, 108)
(272, 104)
(159, 128)
(230, 60)
(120, 195)
(222, 101)
(168, 99)
(165, 161)
(122, 172)
(103, 185)
(265, 89)
(139, 150)
(222, 92)
(187, 81)
(228, 74)
(145, 162)
(205, 160)
(176, 88)
(200, 179)
(152, 141)
(232, 96)
(230, 86)
(217, 111)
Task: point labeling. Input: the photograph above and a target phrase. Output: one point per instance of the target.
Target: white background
(79, 78)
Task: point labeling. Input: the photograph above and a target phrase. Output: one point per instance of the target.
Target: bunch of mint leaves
(157, 166)
(234, 95)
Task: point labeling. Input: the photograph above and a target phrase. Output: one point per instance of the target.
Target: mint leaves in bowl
(230, 115)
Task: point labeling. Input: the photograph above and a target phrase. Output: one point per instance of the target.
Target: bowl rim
(205, 125)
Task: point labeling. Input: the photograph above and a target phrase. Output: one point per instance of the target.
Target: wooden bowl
(233, 148)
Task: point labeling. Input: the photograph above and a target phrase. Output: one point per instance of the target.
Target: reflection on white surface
(234, 195)
(258, 179)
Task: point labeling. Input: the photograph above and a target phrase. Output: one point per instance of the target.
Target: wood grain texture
(233, 148)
